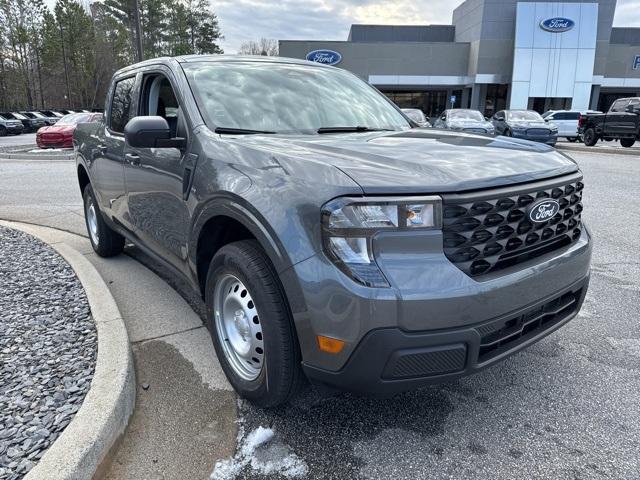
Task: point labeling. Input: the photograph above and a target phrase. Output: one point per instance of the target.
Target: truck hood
(422, 160)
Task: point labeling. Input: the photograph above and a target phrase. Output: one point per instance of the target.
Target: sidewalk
(184, 420)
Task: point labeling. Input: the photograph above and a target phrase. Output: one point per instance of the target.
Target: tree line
(64, 57)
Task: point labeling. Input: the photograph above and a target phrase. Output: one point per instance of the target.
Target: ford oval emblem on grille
(543, 211)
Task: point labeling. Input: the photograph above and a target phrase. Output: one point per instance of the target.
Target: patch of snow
(49, 150)
(264, 456)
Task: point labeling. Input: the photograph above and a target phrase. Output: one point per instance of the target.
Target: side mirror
(150, 132)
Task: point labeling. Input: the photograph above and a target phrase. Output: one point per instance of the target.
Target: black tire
(507, 133)
(627, 142)
(3, 131)
(590, 137)
(107, 242)
(572, 139)
(280, 376)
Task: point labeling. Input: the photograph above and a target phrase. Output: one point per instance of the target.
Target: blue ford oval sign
(557, 24)
(328, 57)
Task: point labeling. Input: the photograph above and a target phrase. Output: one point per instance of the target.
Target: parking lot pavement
(22, 139)
(565, 408)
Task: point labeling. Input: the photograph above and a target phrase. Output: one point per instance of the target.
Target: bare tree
(264, 46)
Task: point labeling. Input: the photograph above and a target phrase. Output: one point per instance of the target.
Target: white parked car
(417, 116)
(566, 121)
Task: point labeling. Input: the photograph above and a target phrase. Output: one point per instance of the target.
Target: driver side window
(158, 98)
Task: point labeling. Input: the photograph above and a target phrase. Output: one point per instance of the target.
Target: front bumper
(17, 129)
(389, 361)
(548, 139)
(430, 306)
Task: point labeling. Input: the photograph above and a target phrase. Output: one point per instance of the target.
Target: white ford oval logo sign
(328, 57)
(557, 24)
(543, 211)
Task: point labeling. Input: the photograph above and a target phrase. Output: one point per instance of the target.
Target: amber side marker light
(330, 345)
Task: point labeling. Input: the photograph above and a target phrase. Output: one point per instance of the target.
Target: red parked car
(60, 135)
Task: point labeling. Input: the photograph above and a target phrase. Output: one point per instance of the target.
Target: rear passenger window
(121, 104)
(573, 116)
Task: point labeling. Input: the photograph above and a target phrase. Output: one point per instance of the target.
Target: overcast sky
(243, 20)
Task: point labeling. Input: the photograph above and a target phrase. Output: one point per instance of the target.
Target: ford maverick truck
(621, 122)
(329, 237)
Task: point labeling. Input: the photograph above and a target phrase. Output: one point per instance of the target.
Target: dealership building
(497, 54)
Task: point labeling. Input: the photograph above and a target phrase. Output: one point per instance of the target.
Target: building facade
(496, 54)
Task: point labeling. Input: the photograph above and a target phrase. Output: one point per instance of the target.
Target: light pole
(136, 19)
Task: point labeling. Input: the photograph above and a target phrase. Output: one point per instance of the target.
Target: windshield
(19, 116)
(74, 119)
(524, 116)
(287, 98)
(466, 115)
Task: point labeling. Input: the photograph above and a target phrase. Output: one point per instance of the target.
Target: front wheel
(627, 142)
(104, 240)
(590, 137)
(572, 139)
(251, 325)
(3, 131)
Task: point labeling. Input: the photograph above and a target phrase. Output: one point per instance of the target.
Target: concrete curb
(21, 152)
(601, 150)
(86, 442)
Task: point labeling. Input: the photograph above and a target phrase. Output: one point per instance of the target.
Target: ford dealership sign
(557, 24)
(328, 57)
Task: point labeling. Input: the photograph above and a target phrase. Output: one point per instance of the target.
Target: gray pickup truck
(328, 237)
(621, 122)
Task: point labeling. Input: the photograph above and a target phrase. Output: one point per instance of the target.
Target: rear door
(156, 177)
(109, 154)
(618, 121)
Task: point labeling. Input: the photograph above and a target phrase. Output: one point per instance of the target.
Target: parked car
(417, 116)
(465, 120)
(621, 122)
(38, 115)
(9, 125)
(566, 121)
(525, 124)
(52, 114)
(60, 135)
(328, 238)
(29, 124)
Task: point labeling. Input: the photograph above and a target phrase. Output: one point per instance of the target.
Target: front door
(154, 177)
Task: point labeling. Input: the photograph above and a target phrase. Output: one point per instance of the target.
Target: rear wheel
(627, 142)
(251, 326)
(590, 137)
(105, 241)
(3, 131)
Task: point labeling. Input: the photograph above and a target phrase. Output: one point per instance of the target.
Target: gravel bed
(48, 346)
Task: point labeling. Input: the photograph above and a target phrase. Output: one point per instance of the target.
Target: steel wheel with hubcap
(238, 327)
(105, 241)
(251, 325)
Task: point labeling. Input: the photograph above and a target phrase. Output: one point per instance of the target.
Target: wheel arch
(226, 219)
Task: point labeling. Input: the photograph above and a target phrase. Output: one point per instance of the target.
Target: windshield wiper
(352, 129)
(239, 131)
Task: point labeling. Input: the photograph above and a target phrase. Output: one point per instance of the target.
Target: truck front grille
(490, 230)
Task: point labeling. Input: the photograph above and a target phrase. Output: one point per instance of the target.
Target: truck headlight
(350, 224)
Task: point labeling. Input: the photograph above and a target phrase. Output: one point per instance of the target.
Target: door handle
(133, 159)
(102, 148)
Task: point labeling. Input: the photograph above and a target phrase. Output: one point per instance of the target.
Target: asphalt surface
(565, 408)
(22, 139)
